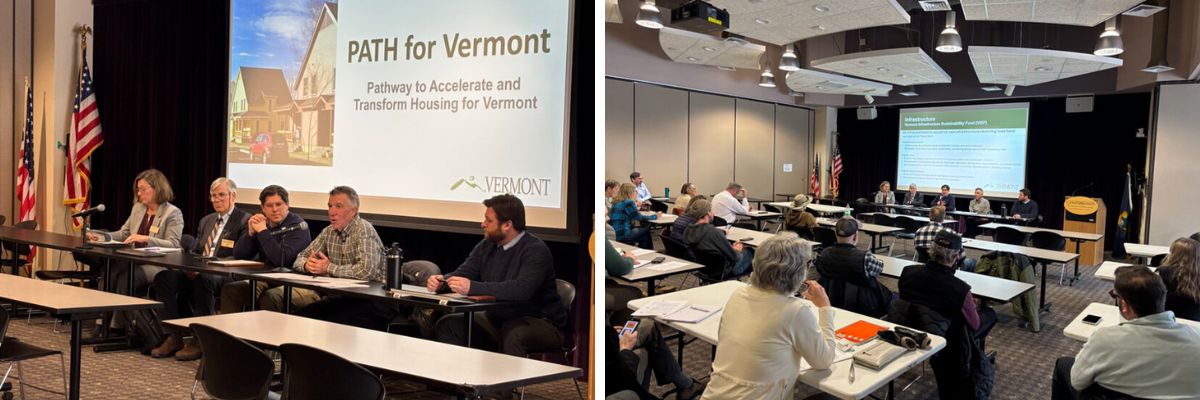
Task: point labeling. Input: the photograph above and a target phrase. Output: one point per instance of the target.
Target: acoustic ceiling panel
(1025, 67)
(787, 21)
(1065, 12)
(695, 48)
(809, 81)
(904, 66)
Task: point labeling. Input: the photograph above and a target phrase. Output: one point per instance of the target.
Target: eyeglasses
(1116, 297)
(218, 195)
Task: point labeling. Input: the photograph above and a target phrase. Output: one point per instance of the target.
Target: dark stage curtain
(1066, 152)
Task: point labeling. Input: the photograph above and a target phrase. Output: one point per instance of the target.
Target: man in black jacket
(509, 264)
(702, 238)
(849, 273)
(274, 236)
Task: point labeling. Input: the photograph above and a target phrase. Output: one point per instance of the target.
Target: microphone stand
(86, 228)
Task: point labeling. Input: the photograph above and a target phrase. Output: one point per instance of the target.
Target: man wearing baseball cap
(934, 285)
(848, 273)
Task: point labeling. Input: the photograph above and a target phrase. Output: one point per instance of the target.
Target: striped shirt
(354, 252)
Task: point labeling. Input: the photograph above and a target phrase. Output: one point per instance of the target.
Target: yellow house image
(311, 111)
(257, 92)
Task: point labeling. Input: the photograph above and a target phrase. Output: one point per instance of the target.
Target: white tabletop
(1109, 316)
(1032, 252)
(835, 380)
(664, 219)
(1146, 250)
(645, 272)
(985, 286)
(918, 218)
(1084, 236)
(756, 237)
(759, 215)
(62, 299)
(862, 226)
(452, 365)
(1108, 270)
(827, 209)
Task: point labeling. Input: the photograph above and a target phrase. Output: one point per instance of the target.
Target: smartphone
(629, 327)
(1091, 319)
(658, 260)
(745, 239)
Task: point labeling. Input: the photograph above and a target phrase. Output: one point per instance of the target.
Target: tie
(212, 237)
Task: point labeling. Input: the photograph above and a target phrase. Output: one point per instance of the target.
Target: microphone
(1084, 187)
(301, 226)
(90, 211)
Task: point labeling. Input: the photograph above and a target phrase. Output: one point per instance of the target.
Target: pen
(852, 371)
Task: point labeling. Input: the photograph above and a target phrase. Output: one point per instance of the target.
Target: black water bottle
(395, 256)
(1004, 210)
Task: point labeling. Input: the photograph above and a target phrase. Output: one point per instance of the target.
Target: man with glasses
(1146, 355)
(273, 236)
(186, 294)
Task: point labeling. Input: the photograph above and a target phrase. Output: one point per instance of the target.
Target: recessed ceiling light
(707, 48)
(819, 87)
(821, 8)
(883, 69)
(762, 21)
(991, 88)
(725, 68)
(899, 75)
(819, 27)
(693, 59)
(1041, 69)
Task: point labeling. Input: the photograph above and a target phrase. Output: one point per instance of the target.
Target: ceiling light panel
(907, 66)
(810, 81)
(786, 21)
(697, 48)
(1026, 67)
(1072, 12)
(612, 11)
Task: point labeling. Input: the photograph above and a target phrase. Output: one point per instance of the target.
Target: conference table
(1109, 316)
(825, 209)
(871, 229)
(467, 372)
(758, 216)
(68, 303)
(651, 272)
(1147, 251)
(1077, 237)
(918, 218)
(1031, 252)
(982, 286)
(748, 237)
(835, 380)
(1108, 270)
(666, 219)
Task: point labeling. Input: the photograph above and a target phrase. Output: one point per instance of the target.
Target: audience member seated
(509, 264)
(622, 215)
(801, 222)
(765, 329)
(187, 294)
(623, 372)
(685, 196)
(1180, 272)
(616, 295)
(849, 273)
(703, 237)
(925, 235)
(610, 192)
(639, 183)
(1025, 207)
(943, 199)
(684, 220)
(348, 248)
(730, 203)
(1147, 355)
(274, 237)
(933, 300)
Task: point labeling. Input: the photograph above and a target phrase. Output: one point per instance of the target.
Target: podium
(1086, 214)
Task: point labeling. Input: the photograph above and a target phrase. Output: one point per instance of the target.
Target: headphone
(907, 338)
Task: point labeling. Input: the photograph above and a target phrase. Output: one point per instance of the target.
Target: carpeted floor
(131, 375)
(1024, 359)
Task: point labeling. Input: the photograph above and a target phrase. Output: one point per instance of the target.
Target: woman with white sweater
(765, 329)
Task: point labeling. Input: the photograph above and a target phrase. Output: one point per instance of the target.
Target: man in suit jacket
(944, 199)
(186, 294)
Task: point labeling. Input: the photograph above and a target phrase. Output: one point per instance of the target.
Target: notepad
(660, 308)
(692, 313)
(859, 332)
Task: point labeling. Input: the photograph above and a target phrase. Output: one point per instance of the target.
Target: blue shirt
(622, 215)
(643, 192)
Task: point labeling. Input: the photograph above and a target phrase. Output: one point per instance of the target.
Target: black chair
(13, 351)
(1008, 235)
(17, 251)
(656, 205)
(187, 242)
(677, 249)
(825, 236)
(1157, 260)
(1050, 241)
(922, 254)
(714, 270)
(909, 226)
(315, 374)
(566, 295)
(231, 368)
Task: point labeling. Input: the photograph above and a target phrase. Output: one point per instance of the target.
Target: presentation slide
(424, 107)
(965, 147)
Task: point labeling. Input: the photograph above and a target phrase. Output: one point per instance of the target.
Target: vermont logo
(469, 181)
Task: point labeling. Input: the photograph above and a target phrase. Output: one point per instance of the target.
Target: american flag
(81, 143)
(25, 183)
(837, 170)
(815, 183)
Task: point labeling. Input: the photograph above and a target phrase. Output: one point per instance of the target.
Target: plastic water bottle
(847, 213)
(1003, 210)
(667, 193)
(395, 256)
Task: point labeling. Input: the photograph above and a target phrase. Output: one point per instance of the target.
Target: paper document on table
(641, 252)
(162, 249)
(660, 308)
(838, 356)
(640, 263)
(316, 280)
(693, 313)
(109, 243)
(423, 292)
(667, 266)
(237, 263)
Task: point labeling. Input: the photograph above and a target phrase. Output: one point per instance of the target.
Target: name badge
(154, 229)
(226, 243)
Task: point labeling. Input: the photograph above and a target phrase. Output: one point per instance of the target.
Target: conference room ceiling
(1025, 67)
(905, 66)
(782, 22)
(810, 81)
(1063, 12)
(698, 48)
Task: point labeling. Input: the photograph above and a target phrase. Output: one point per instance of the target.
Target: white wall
(1173, 175)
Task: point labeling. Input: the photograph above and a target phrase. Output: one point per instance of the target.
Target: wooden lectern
(1086, 214)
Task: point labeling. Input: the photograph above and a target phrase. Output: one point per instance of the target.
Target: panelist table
(649, 274)
(982, 286)
(467, 372)
(1147, 251)
(69, 303)
(1031, 252)
(835, 380)
(1077, 237)
(871, 229)
(1109, 316)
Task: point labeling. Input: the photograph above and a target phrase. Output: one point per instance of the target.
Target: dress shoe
(167, 348)
(692, 392)
(189, 352)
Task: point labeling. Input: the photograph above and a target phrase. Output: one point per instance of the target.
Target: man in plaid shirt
(348, 248)
(924, 236)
